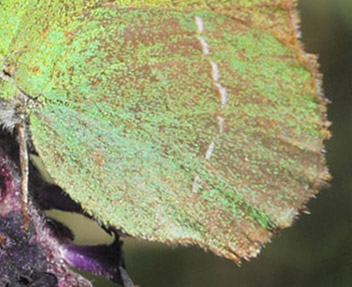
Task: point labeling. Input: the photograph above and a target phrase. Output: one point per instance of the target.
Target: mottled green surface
(128, 105)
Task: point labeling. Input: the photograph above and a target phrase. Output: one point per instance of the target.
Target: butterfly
(190, 122)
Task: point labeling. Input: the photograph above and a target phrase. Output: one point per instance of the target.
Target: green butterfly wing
(198, 122)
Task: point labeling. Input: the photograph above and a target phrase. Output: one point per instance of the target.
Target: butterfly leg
(126, 280)
(21, 137)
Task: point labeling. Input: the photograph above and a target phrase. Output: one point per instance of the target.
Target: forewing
(195, 122)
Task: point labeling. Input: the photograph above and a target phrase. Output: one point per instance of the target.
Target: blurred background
(317, 250)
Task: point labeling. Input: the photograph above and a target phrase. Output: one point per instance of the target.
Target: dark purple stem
(42, 255)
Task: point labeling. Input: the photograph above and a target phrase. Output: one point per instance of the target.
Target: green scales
(192, 122)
